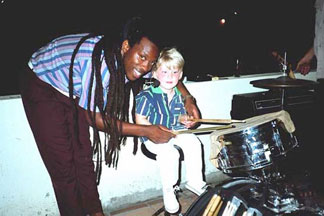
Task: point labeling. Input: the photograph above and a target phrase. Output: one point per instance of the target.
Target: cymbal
(283, 82)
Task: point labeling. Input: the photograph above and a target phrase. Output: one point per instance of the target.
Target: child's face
(168, 77)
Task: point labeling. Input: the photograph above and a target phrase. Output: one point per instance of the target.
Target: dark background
(259, 27)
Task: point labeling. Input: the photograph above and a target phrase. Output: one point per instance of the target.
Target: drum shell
(255, 147)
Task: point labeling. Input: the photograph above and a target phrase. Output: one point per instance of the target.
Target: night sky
(208, 47)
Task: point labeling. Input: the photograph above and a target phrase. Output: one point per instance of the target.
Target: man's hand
(159, 134)
(190, 104)
(192, 110)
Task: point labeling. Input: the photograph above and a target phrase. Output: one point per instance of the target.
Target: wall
(25, 187)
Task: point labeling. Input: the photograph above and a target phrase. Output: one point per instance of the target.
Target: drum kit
(251, 155)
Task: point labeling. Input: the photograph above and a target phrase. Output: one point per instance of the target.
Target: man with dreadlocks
(80, 81)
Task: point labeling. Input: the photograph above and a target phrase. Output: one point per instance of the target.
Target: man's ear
(125, 47)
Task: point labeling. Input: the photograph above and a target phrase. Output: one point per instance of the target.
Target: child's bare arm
(140, 119)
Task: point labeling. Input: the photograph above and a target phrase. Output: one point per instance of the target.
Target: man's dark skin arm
(155, 133)
(190, 104)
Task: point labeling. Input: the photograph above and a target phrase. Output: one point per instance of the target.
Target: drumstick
(291, 73)
(201, 130)
(167, 130)
(214, 206)
(211, 202)
(218, 208)
(221, 121)
(183, 118)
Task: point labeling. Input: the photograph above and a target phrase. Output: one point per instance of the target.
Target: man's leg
(50, 116)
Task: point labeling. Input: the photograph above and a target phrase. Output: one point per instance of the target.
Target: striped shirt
(51, 64)
(153, 103)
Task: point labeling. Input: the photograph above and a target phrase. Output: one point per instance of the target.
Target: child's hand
(186, 120)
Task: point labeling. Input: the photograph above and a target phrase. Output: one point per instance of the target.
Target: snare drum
(254, 147)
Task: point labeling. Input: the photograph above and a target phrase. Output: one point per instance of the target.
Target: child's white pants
(167, 157)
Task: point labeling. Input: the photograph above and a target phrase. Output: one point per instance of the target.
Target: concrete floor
(148, 208)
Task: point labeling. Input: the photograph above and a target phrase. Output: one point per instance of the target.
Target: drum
(254, 147)
(247, 197)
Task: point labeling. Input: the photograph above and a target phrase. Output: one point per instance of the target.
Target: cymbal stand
(283, 98)
(283, 63)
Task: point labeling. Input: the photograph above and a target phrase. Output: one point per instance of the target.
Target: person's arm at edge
(303, 65)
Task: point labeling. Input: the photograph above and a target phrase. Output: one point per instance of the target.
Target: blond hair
(171, 57)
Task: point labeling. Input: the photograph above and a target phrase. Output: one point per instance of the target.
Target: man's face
(139, 59)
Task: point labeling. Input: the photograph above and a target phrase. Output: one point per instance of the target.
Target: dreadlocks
(117, 108)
